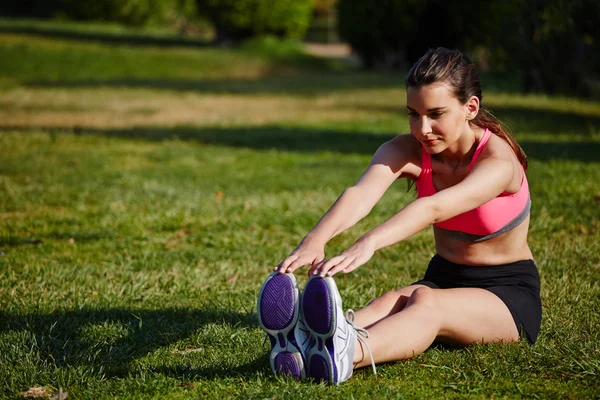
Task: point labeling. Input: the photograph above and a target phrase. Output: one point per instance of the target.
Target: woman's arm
(487, 181)
(392, 160)
(490, 177)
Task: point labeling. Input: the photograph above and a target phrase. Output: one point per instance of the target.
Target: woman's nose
(424, 126)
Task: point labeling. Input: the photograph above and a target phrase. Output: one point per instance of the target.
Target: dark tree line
(550, 45)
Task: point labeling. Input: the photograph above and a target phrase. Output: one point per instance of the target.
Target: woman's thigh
(458, 316)
(469, 315)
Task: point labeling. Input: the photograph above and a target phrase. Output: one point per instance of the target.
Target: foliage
(375, 29)
(235, 20)
(323, 25)
(127, 12)
(394, 33)
(552, 45)
(556, 44)
(324, 7)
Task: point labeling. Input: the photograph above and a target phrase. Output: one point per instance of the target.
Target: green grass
(146, 191)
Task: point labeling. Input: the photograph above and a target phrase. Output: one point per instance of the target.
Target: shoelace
(361, 335)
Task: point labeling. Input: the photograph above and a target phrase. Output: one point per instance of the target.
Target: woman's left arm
(489, 177)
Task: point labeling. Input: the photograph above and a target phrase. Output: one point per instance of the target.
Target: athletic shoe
(331, 355)
(279, 316)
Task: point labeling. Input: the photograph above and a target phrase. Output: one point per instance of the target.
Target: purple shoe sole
(286, 364)
(316, 296)
(319, 307)
(276, 307)
(318, 368)
(278, 312)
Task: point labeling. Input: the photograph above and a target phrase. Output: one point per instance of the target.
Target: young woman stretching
(482, 286)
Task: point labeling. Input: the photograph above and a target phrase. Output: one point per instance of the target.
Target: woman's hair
(454, 69)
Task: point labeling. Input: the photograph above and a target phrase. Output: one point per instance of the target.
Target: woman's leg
(383, 306)
(461, 316)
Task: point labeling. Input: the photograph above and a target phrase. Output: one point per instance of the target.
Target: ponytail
(485, 119)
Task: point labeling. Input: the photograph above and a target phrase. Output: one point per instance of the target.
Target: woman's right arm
(394, 159)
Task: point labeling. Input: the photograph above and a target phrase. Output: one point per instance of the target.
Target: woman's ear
(472, 108)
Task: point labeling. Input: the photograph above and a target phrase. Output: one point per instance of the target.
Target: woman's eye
(412, 114)
(436, 115)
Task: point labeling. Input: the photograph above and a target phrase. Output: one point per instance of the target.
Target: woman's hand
(309, 252)
(355, 256)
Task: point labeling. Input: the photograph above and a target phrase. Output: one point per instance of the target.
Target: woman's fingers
(340, 266)
(293, 262)
(316, 268)
(323, 267)
(315, 264)
(351, 267)
(284, 265)
(348, 261)
(330, 267)
(299, 262)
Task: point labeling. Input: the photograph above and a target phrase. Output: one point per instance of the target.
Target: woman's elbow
(431, 211)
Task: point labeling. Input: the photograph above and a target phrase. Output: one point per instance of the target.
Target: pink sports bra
(487, 221)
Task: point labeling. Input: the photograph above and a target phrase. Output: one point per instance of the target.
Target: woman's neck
(461, 152)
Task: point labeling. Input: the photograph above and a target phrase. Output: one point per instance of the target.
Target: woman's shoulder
(405, 150)
(498, 150)
(405, 144)
(496, 147)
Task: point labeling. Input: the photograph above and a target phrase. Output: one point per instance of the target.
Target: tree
(553, 43)
(236, 20)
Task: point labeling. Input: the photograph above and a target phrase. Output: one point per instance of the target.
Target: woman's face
(437, 119)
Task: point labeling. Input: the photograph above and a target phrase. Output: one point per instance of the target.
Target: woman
(482, 286)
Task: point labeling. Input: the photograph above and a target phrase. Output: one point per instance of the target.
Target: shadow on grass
(70, 339)
(572, 151)
(547, 121)
(306, 140)
(215, 372)
(105, 37)
(310, 77)
(79, 236)
(303, 140)
(305, 83)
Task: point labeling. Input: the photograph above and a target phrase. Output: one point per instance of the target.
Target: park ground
(148, 185)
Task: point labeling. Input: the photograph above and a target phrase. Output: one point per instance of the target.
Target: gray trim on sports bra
(468, 237)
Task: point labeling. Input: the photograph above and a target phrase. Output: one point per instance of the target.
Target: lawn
(147, 187)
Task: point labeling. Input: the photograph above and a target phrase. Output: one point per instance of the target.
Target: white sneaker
(331, 356)
(279, 316)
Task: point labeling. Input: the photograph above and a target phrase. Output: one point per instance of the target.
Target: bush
(235, 20)
(555, 44)
(396, 33)
(127, 12)
(378, 30)
(551, 45)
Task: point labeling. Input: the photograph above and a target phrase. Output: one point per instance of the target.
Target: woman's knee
(393, 301)
(386, 298)
(424, 296)
(390, 301)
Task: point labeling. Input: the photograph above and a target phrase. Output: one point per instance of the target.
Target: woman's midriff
(506, 248)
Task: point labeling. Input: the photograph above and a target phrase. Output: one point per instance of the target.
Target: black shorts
(516, 284)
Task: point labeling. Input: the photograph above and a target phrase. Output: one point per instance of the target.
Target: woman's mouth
(430, 142)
